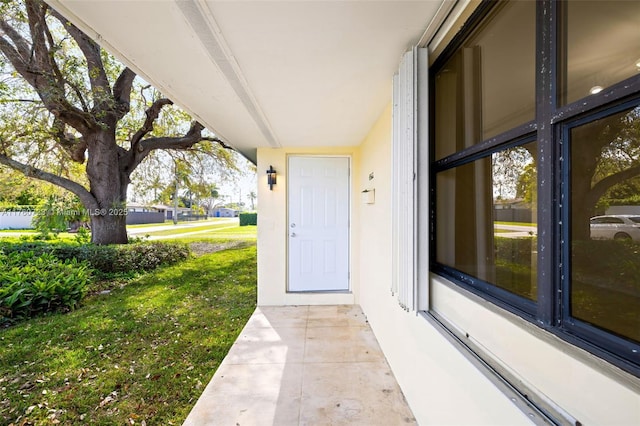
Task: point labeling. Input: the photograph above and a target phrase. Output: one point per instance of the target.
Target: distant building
(224, 212)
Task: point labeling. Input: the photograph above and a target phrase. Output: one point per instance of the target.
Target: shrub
(109, 259)
(248, 219)
(611, 263)
(147, 256)
(32, 284)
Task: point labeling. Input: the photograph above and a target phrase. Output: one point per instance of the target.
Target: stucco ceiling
(263, 73)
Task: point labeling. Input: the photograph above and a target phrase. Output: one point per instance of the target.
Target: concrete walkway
(303, 365)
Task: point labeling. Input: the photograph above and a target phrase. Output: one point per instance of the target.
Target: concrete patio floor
(303, 365)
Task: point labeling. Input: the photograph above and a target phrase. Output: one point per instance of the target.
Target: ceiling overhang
(264, 73)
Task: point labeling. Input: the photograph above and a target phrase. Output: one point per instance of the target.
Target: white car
(615, 227)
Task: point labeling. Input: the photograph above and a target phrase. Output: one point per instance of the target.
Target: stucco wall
(272, 230)
(441, 386)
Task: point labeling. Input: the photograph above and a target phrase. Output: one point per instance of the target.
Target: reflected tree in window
(605, 164)
(605, 260)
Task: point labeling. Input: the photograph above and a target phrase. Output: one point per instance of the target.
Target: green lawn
(204, 227)
(143, 352)
(498, 222)
(248, 232)
(169, 223)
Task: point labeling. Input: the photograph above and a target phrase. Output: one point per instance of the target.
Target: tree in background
(252, 198)
(64, 100)
(18, 190)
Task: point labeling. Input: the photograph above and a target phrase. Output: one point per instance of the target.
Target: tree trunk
(109, 229)
(108, 183)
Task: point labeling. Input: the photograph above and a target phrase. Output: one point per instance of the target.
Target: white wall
(272, 231)
(16, 220)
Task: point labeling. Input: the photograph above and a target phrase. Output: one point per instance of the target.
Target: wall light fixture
(271, 177)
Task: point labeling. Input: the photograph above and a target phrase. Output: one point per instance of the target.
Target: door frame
(349, 289)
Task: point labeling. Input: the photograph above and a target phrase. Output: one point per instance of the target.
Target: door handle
(293, 234)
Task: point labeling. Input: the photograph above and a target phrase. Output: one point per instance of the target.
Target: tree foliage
(605, 165)
(71, 115)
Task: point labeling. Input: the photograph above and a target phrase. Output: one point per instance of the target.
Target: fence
(16, 220)
(138, 218)
(514, 215)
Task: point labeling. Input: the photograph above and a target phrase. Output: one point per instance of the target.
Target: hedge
(142, 256)
(248, 219)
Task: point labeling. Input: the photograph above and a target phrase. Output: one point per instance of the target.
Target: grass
(498, 222)
(143, 352)
(168, 223)
(177, 231)
(248, 232)
(210, 229)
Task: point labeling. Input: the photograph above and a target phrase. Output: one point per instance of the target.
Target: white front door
(318, 226)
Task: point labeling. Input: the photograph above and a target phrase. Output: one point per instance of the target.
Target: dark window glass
(602, 46)
(605, 179)
(488, 86)
(585, 165)
(487, 219)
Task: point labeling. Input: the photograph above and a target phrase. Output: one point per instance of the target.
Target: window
(490, 230)
(605, 264)
(536, 167)
(602, 46)
(488, 85)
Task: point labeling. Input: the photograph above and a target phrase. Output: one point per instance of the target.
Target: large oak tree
(78, 104)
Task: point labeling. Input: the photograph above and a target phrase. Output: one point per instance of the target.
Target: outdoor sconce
(271, 177)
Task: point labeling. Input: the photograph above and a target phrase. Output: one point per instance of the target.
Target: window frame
(569, 323)
(551, 310)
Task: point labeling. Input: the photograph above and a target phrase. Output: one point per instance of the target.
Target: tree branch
(152, 114)
(146, 146)
(76, 89)
(75, 147)
(85, 196)
(603, 185)
(192, 137)
(36, 67)
(36, 12)
(8, 101)
(20, 44)
(91, 50)
(122, 91)
(14, 56)
(219, 141)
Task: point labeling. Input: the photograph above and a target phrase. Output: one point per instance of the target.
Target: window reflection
(488, 86)
(486, 219)
(602, 46)
(605, 206)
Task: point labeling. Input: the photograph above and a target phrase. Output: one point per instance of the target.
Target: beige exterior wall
(436, 379)
(272, 230)
(582, 385)
(440, 384)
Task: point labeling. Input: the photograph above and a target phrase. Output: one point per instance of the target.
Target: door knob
(293, 225)
(293, 234)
